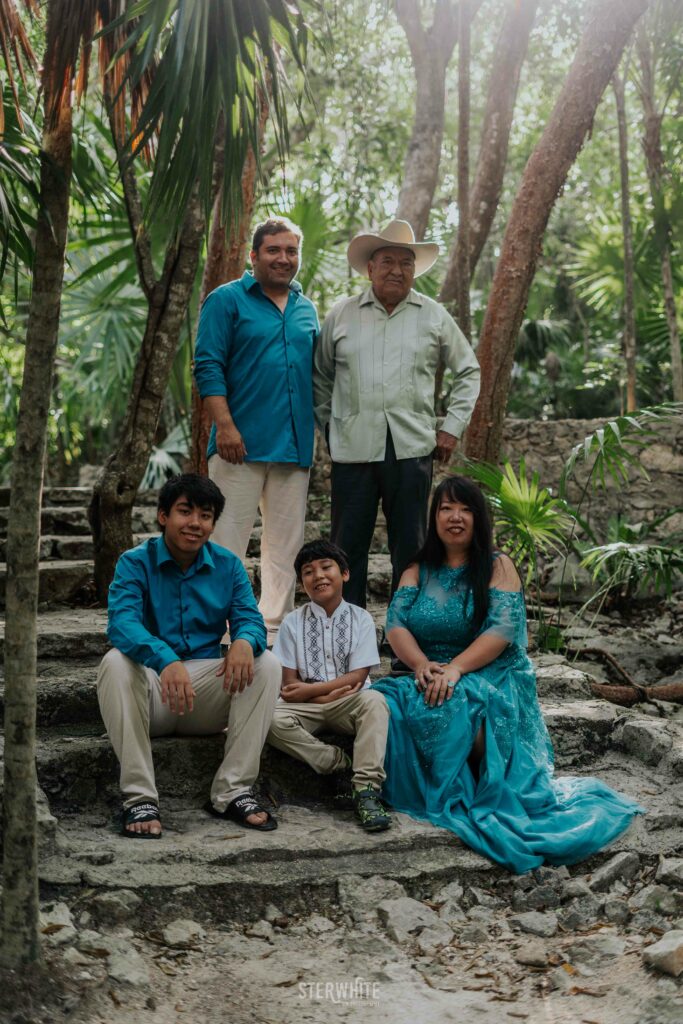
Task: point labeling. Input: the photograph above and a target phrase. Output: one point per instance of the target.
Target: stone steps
(77, 767)
(65, 582)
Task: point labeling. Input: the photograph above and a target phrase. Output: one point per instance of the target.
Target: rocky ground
(598, 948)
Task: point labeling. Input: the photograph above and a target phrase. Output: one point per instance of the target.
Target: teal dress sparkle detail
(516, 813)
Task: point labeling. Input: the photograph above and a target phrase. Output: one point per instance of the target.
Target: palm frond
(16, 48)
(216, 60)
(626, 568)
(613, 449)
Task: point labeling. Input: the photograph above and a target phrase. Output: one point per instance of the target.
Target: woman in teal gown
(468, 748)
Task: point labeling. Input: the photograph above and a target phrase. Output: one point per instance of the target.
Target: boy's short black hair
(316, 549)
(198, 490)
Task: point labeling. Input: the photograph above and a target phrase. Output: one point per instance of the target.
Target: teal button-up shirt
(375, 370)
(261, 361)
(159, 614)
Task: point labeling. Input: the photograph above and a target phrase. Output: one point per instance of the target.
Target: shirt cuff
(453, 425)
(162, 660)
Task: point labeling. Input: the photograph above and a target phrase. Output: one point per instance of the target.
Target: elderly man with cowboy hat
(373, 388)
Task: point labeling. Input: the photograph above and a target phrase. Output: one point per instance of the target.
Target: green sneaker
(370, 810)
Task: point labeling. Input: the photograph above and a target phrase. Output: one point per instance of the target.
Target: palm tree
(203, 114)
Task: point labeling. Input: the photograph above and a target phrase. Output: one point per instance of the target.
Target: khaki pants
(279, 489)
(130, 702)
(364, 715)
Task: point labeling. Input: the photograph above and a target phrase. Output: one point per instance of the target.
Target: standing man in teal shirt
(253, 368)
(374, 376)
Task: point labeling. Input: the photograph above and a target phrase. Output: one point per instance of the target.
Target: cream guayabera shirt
(373, 370)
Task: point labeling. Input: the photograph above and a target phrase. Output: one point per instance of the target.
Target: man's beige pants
(364, 715)
(280, 489)
(132, 711)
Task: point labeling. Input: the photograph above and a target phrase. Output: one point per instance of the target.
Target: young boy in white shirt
(326, 649)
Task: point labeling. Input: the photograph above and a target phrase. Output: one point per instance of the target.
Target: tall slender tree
(506, 65)
(629, 342)
(69, 24)
(607, 32)
(431, 49)
(232, 44)
(666, 17)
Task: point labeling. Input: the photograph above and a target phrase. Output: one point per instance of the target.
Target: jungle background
(350, 133)
(538, 141)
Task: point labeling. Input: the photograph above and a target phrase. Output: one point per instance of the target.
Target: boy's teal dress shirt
(261, 361)
(159, 614)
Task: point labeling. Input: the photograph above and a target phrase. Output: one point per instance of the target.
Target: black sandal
(240, 808)
(144, 810)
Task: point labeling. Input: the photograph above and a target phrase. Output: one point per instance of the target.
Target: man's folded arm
(461, 360)
(244, 618)
(126, 629)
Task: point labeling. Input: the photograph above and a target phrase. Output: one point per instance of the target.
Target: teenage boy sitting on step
(326, 649)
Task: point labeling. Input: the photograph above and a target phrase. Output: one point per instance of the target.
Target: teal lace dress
(516, 813)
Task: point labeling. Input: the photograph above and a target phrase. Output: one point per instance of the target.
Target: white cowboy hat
(396, 233)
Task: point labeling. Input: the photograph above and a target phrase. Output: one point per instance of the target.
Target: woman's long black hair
(480, 562)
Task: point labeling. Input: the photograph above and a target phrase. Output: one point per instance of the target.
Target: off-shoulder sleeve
(402, 601)
(506, 617)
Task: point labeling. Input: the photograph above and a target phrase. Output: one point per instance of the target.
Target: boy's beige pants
(364, 715)
(130, 702)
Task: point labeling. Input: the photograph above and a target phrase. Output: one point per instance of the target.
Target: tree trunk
(506, 67)
(431, 51)
(654, 160)
(225, 260)
(114, 493)
(20, 935)
(462, 249)
(618, 84)
(597, 57)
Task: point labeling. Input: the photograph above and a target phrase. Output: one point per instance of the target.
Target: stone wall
(545, 447)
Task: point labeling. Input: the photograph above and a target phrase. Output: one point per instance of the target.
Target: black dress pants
(402, 485)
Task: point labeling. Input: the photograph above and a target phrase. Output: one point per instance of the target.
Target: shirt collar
(368, 298)
(320, 613)
(203, 560)
(249, 283)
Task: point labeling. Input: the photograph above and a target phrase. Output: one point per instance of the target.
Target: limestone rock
(622, 867)
(670, 871)
(56, 924)
(536, 923)
(659, 898)
(434, 937)
(580, 913)
(118, 905)
(452, 913)
(594, 949)
(575, 888)
(360, 896)
(541, 897)
(532, 954)
(317, 924)
(403, 917)
(481, 898)
(128, 967)
(94, 944)
(667, 954)
(261, 930)
(452, 891)
(644, 739)
(616, 911)
(474, 934)
(183, 934)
